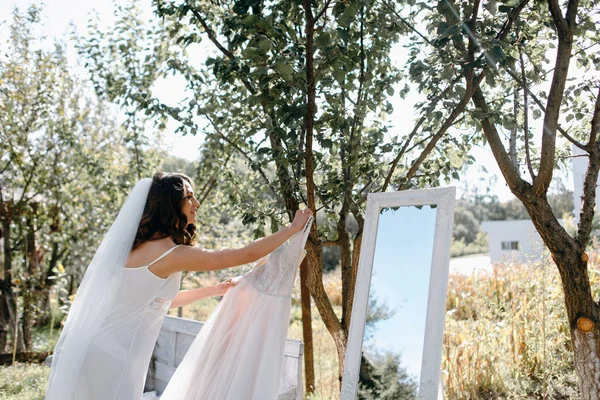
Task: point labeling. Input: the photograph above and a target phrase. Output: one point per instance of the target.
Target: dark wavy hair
(162, 216)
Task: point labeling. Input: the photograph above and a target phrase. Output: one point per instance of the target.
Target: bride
(105, 347)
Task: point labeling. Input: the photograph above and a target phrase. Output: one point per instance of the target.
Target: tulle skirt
(239, 352)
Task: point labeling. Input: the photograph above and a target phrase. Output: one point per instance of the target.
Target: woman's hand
(300, 219)
(223, 287)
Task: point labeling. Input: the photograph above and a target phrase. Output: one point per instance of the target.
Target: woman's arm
(189, 258)
(185, 297)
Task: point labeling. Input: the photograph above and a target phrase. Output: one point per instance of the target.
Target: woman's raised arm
(188, 258)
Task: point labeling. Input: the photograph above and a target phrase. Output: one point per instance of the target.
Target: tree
(63, 167)
(382, 376)
(299, 91)
(466, 225)
(500, 51)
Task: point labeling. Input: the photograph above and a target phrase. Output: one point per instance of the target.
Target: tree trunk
(4, 321)
(6, 286)
(30, 283)
(309, 362)
(27, 319)
(582, 312)
(42, 302)
(584, 315)
(587, 362)
(317, 290)
(14, 323)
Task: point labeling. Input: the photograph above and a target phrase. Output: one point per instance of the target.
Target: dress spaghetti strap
(163, 255)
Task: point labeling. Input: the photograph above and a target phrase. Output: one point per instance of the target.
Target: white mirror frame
(444, 199)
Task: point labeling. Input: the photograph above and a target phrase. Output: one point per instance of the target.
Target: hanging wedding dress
(239, 352)
(115, 319)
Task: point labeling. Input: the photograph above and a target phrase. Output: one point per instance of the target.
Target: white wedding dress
(239, 352)
(113, 368)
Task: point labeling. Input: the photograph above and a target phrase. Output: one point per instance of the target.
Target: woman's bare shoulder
(149, 251)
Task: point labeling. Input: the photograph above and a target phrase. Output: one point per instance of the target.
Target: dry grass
(506, 334)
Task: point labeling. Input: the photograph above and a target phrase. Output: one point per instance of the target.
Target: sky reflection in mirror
(400, 283)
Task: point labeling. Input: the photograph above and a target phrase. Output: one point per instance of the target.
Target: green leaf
(339, 75)
(491, 6)
(496, 53)
(323, 40)
(265, 45)
(287, 72)
(343, 34)
(347, 16)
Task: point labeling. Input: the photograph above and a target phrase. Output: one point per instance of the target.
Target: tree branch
(595, 121)
(512, 17)
(415, 130)
(526, 117)
(539, 103)
(512, 142)
(516, 184)
(241, 151)
(310, 109)
(557, 88)
(322, 11)
(213, 38)
(447, 124)
(471, 84)
(410, 26)
(557, 15)
(586, 216)
(571, 12)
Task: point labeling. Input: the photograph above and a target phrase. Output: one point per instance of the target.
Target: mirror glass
(392, 348)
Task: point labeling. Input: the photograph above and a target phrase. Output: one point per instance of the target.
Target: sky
(400, 279)
(59, 14)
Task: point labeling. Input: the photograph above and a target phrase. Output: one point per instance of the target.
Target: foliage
(177, 164)
(466, 225)
(124, 65)
(64, 170)
(386, 380)
(377, 310)
(459, 248)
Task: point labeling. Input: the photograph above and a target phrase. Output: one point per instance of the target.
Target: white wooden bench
(177, 335)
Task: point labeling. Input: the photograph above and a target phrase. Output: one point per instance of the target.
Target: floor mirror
(399, 303)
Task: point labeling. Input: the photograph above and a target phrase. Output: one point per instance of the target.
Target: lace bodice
(276, 277)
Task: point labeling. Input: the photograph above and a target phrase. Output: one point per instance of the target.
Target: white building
(518, 239)
(515, 240)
